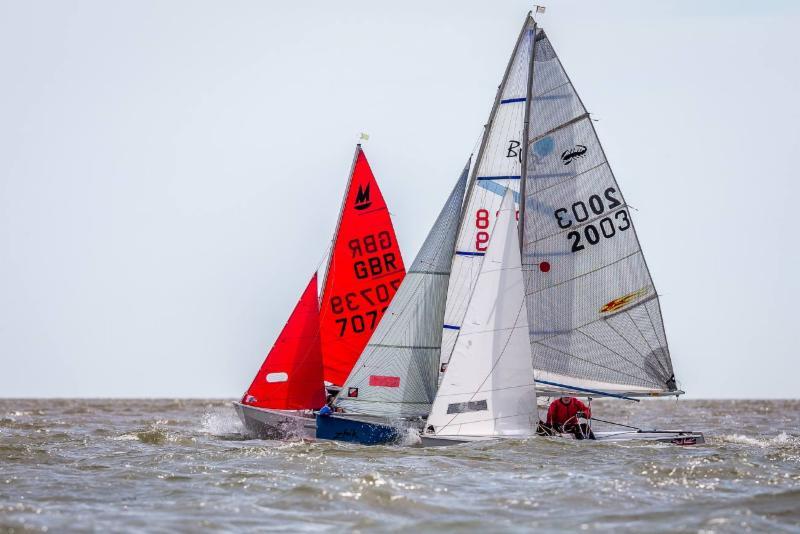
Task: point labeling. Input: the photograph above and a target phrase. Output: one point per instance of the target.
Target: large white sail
(488, 387)
(497, 168)
(594, 314)
(397, 374)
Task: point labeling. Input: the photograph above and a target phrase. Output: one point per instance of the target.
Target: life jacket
(560, 414)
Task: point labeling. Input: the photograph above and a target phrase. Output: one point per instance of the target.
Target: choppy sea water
(175, 465)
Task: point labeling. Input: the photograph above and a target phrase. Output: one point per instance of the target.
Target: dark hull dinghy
(393, 383)
(276, 424)
(324, 336)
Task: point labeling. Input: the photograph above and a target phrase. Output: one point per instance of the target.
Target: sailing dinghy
(488, 388)
(393, 383)
(594, 325)
(323, 337)
(497, 169)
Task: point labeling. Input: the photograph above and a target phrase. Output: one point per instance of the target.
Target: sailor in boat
(330, 407)
(564, 416)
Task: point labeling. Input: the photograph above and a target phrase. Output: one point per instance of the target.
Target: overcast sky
(171, 172)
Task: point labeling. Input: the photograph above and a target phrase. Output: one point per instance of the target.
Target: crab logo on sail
(571, 154)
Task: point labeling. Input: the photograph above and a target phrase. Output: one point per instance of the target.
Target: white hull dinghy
(672, 437)
(567, 309)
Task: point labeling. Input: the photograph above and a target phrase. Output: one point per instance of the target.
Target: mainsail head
(365, 269)
(397, 374)
(488, 387)
(594, 314)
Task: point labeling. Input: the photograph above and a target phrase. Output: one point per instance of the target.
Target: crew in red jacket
(563, 414)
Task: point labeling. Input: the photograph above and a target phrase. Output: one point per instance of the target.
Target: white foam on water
(221, 422)
(781, 439)
(409, 437)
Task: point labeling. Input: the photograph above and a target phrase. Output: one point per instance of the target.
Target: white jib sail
(497, 168)
(488, 387)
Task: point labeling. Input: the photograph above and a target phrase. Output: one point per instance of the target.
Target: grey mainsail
(397, 374)
(594, 315)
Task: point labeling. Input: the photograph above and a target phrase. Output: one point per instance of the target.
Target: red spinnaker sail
(291, 376)
(364, 271)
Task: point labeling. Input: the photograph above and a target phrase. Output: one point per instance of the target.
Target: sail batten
(593, 310)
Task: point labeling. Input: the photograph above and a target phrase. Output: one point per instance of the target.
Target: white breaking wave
(221, 422)
(782, 439)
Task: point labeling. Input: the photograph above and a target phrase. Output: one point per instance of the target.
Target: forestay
(497, 168)
(488, 387)
(397, 374)
(594, 314)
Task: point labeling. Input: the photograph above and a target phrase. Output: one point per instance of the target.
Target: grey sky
(171, 172)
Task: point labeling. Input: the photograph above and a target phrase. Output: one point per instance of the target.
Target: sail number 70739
(581, 211)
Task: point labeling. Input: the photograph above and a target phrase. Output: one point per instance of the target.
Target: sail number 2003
(581, 211)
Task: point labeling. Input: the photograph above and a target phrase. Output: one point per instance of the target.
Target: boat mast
(525, 140)
(486, 127)
(339, 220)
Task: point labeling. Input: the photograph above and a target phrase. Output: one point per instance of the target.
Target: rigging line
(496, 362)
(617, 424)
(504, 329)
(612, 350)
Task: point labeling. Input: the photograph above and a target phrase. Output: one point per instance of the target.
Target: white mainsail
(497, 168)
(594, 314)
(397, 374)
(488, 387)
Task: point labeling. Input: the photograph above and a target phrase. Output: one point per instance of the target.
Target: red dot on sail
(544, 266)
